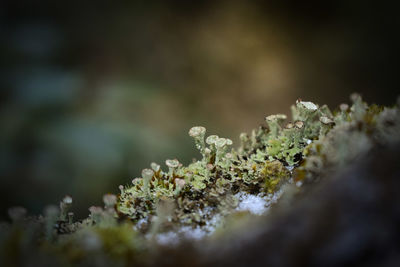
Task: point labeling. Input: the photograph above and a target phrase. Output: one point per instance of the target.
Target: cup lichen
(259, 166)
(208, 193)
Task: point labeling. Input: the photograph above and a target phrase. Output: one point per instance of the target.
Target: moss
(204, 194)
(275, 174)
(362, 128)
(118, 242)
(256, 167)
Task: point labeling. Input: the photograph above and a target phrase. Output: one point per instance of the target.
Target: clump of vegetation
(207, 187)
(357, 130)
(205, 194)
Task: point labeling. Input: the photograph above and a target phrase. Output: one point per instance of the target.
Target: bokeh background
(92, 92)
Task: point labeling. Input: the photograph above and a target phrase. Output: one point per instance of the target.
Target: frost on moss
(259, 167)
(209, 195)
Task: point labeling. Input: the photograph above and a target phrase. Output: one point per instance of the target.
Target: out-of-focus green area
(92, 93)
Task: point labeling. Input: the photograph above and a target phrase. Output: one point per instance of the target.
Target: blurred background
(91, 93)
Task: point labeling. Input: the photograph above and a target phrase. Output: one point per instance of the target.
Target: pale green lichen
(258, 166)
(357, 129)
(65, 205)
(198, 133)
(315, 142)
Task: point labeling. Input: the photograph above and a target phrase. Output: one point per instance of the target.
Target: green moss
(275, 174)
(357, 130)
(314, 142)
(256, 167)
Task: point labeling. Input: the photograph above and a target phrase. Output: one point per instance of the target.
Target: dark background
(91, 93)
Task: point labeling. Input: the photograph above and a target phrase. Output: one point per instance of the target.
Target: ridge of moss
(259, 166)
(292, 154)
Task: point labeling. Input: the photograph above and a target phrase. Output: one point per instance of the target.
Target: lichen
(258, 166)
(225, 187)
(357, 130)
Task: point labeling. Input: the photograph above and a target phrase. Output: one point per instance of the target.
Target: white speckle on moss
(194, 234)
(139, 224)
(186, 232)
(254, 204)
(289, 168)
(168, 238)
